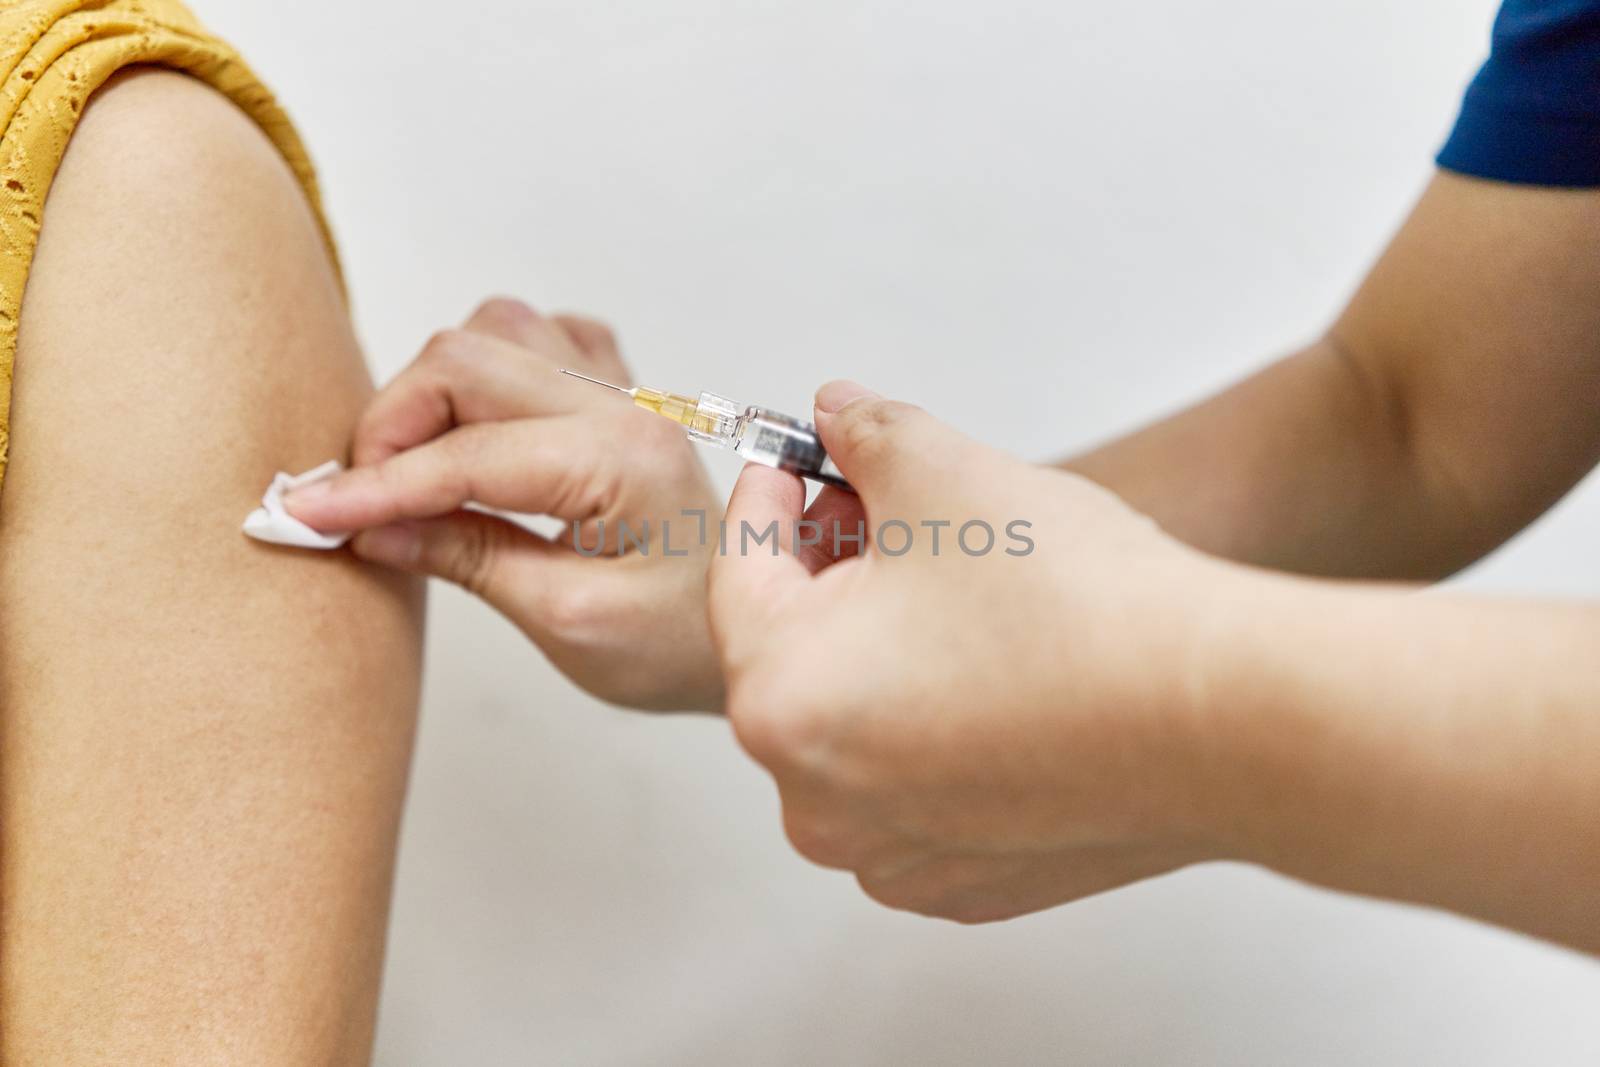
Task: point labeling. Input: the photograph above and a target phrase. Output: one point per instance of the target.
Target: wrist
(1236, 747)
(1292, 766)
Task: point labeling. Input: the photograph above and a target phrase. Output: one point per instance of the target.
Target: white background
(1044, 221)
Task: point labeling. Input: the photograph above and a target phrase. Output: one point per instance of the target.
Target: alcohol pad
(271, 523)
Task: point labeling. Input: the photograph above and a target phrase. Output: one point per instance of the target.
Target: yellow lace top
(53, 54)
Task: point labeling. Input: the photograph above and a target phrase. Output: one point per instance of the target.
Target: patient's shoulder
(183, 332)
(155, 142)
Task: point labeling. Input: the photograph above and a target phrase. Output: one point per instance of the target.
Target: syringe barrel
(777, 440)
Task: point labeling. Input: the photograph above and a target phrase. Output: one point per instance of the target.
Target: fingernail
(397, 545)
(835, 395)
(314, 491)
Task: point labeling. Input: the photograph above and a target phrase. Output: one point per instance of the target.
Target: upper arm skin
(1479, 333)
(203, 741)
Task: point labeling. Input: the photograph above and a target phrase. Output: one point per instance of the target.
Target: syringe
(760, 435)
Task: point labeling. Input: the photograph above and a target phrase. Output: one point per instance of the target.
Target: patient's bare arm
(203, 741)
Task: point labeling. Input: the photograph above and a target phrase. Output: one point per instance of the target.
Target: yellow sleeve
(53, 55)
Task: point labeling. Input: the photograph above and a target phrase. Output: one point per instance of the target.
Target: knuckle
(473, 446)
(774, 727)
(574, 611)
(598, 342)
(447, 469)
(367, 442)
(895, 893)
(881, 415)
(506, 309)
(470, 559)
(451, 346)
(584, 488)
(395, 480)
(595, 332)
(876, 424)
(755, 727)
(812, 839)
(429, 481)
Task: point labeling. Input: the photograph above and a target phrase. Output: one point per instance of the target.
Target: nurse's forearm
(1451, 404)
(1297, 468)
(1440, 750)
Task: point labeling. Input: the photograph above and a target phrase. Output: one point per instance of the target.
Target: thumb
(886, 449)
(485, 555)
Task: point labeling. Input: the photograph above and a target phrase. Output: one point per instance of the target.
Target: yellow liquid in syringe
(710, 418)
(678, 408)
(777, 440)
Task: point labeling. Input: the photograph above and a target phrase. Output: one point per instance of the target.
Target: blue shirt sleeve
(1532, 115)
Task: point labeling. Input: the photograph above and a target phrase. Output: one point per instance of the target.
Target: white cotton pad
(271, 523)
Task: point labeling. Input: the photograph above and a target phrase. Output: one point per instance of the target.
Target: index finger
(464, 377)
(531, 466)
(756, 569)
